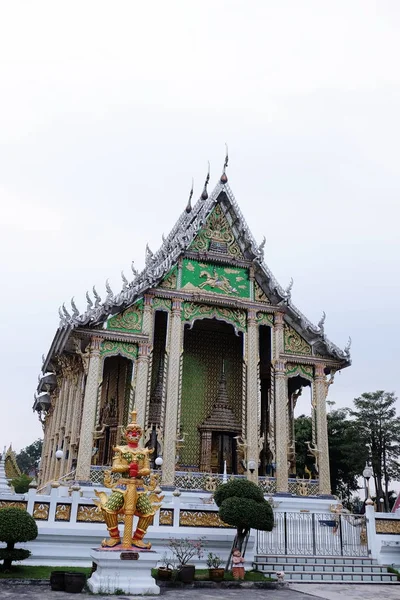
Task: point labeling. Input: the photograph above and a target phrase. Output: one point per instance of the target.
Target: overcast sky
(107, 110)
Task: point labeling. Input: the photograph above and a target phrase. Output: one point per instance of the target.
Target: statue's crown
(133, 426)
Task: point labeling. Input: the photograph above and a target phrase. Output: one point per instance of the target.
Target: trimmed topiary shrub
(16, 525)
(241, 504)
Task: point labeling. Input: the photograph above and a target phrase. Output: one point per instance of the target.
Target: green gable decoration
(129, 321)
(265, 319)
(306, 370)
(294, 343)
(218, 279)
(192, 311)
(111, 348)
(216, 236)
(170, 280)
(162, 304)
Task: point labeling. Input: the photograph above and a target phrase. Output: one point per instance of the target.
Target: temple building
(209, 349)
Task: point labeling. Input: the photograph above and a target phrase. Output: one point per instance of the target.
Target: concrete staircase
(327, 569)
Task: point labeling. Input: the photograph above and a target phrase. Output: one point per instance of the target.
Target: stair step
(320, 568)
(287, 558)
(314, 577)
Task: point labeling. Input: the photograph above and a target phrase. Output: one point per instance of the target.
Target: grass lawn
(29, 572)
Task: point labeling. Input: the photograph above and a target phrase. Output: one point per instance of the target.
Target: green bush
(14, 555)
(239, 488)
(242, 505)
(247, 514)
(16, 525)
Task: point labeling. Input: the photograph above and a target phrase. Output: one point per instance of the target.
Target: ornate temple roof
(159, 264)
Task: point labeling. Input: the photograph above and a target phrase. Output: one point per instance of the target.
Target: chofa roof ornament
(204, 194)
(224, 177)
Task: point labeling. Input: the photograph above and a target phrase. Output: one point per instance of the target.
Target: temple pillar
(252, 416)
(174, 350)
(281, 429)
(281, 401)
(321, 389)
(89, 412)
(143, 363)
(55, 429)
(142, 382)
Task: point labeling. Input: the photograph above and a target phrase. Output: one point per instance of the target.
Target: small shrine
(210, 351)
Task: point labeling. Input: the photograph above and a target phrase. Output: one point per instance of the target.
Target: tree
(241, 504)
(378, 428)
(302, 432)
(29, 457)
(16, 525)
(21, 483)
(346, 456)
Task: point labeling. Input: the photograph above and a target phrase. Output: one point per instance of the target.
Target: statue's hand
(133, 469)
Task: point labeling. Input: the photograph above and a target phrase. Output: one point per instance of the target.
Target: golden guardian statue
(130, 496)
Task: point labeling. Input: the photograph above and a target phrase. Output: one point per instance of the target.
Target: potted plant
(166, 569)
(74, 582)
(184, 549)
(213, 563)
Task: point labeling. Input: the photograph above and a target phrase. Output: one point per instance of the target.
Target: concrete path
(342, 591)
(31, 592)
(9, 591)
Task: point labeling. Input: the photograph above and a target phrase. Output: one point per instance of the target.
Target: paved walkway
(32, 592)
(343, 591)
(299, 591)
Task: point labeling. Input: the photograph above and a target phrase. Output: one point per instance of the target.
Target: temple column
(281, 400)
(174, 349)
(132, 390)
(56, 430)
(252, 417)
(89, 412)
(49, 432)
(321, 389)
(142, 382)
(75, 406)
(143, 363)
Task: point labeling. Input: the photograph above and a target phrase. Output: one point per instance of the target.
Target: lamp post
(367, 474)
(251, 465)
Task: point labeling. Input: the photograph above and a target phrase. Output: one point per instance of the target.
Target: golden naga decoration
(129, 496)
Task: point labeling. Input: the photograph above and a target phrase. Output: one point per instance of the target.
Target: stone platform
(125, 571)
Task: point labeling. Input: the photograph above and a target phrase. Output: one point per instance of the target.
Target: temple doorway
(211, 405)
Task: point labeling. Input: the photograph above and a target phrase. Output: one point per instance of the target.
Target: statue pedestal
(123, 571)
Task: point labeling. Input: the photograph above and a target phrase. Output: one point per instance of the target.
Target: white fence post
(373, 549)
(31, 500)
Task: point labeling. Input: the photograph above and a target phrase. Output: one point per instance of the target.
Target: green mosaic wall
(204, 350)
(231, 281)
